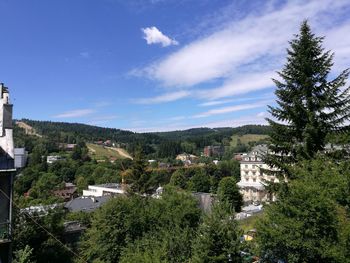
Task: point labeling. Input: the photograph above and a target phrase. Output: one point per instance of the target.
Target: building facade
(210, 151)
(7, 170)
(103, 190)
(253, 178)
(21, 156)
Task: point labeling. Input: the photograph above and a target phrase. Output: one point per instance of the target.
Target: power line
(47, 231)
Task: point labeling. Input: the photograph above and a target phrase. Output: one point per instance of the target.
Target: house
(72, 232)
(210, 151)
(107, 143)
(7, 171)
(252, 177)
(21, 156)
(238, 156)
(39, 209)
(53, 158)
(104, 189)
(186, 158)
(67, 193)
(86, 204)
(67, 146)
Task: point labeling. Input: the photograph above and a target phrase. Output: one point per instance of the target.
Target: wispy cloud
(236, 99)
(242, 84)
(75, 113)
(246, 120)
(251, 48)
(84, 54)
(167, 97)
(229, 109)
(154, 36)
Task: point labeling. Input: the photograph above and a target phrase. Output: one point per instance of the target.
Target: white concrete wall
(94, 190)
(6, 135)
(252, 179)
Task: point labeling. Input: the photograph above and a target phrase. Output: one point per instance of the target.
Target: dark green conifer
(309, 105)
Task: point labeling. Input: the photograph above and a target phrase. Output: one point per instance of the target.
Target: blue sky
(156, 65)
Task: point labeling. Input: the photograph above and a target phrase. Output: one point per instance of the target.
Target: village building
(86, 204)
(210, 151)
(186, 158)
(21, 156)
(67, 193)
(104, 189)
(53, 158)
(7, 170)
(67, 146)
(253, 179)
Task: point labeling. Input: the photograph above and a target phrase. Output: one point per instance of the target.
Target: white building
(103, 190)
(252, 178)
(21, 156)
(53, 158)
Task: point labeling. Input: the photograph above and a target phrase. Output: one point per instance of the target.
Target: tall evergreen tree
(218, 237)
(309, 105)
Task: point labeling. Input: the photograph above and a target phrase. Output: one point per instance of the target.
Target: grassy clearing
(99, 152)
(245, 139)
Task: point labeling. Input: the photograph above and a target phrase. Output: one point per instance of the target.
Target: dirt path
(120, 151)
(28, 129)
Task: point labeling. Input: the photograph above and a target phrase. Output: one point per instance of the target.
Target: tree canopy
(309, 105)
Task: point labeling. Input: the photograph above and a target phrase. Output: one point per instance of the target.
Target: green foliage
(217, 238)
(44, 247)
(137, 175)
(23, 255)
(200, 181)
(124, 220)
(310, 107)
(228, 191)
(169, 245)
(179, 179)
(163, 145)
(309, 222)
(169, 149)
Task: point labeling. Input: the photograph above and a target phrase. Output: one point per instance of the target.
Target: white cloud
(242, 84)
(225, 101)
(153, 36)
(231, 109)
(167, 97)
(84, 54)
(246, 120)
(262, 114)
(254, 45)
(75, 113)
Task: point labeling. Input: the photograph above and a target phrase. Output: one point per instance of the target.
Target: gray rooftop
(86, 204)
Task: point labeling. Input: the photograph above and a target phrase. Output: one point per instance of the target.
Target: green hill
(99, 152)
(247, 138)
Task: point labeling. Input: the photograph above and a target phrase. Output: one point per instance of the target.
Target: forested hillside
(156, 144)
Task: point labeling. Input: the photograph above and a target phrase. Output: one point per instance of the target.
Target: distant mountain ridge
(159, 143)
(47, 127)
